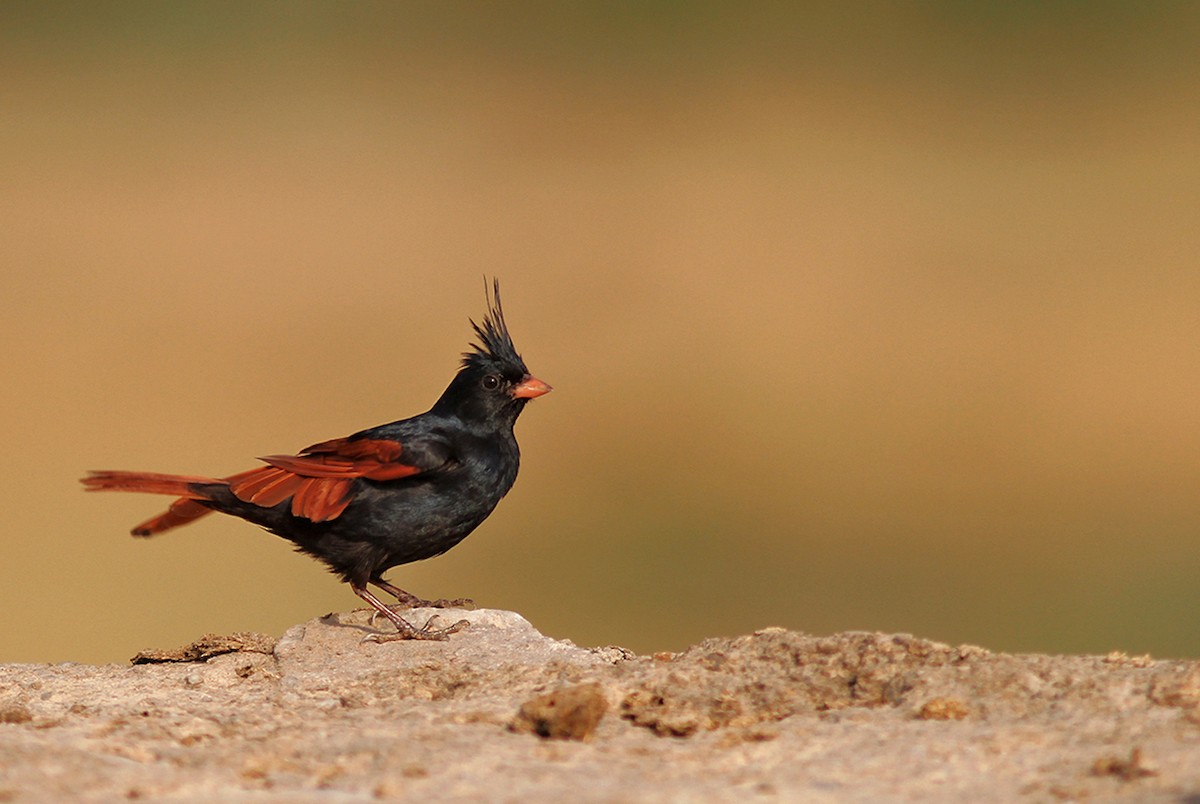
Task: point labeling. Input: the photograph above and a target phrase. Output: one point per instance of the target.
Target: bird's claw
(417, 603)
(440, 603)
(457, 603)
(425, 632)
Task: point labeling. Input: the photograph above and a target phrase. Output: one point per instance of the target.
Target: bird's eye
(491, 382)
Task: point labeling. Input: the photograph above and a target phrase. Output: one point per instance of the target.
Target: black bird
(385, 496)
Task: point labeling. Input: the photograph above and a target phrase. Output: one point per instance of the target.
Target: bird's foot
(425, 632)
(407, 600)
(418, 603)
(441, 603)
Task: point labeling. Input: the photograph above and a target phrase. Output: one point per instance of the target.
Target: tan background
(883, 320)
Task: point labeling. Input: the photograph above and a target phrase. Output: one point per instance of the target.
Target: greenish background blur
(863, 316)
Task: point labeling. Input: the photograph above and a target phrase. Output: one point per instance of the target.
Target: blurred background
(883, 321)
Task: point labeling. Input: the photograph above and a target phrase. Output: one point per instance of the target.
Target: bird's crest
(495, 345)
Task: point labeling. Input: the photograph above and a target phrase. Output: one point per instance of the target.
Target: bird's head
(493, 383)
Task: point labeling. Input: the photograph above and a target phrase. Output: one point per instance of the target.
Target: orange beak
(530, 387)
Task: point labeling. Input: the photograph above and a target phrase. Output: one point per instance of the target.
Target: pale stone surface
(777, 715)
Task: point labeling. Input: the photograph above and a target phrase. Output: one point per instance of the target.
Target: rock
(208, 646)
(569, 713)
(858, 716)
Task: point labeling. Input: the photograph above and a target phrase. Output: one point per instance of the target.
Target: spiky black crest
(495, 347)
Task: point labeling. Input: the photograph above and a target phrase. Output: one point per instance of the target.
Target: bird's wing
(372, 458)
(320, 480)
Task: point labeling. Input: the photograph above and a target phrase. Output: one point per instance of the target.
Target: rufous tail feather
(184, 510)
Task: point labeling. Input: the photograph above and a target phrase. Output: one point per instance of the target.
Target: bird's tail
(182, 511)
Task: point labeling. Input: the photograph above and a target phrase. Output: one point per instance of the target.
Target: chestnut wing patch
(320, 481)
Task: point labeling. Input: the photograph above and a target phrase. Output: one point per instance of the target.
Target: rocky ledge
(500, 712)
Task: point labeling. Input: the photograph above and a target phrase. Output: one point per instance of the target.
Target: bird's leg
(404, 629)
(411, 601)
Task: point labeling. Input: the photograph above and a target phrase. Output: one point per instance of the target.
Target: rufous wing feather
(320, 481)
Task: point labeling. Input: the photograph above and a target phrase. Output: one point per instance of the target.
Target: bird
(382, 497)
